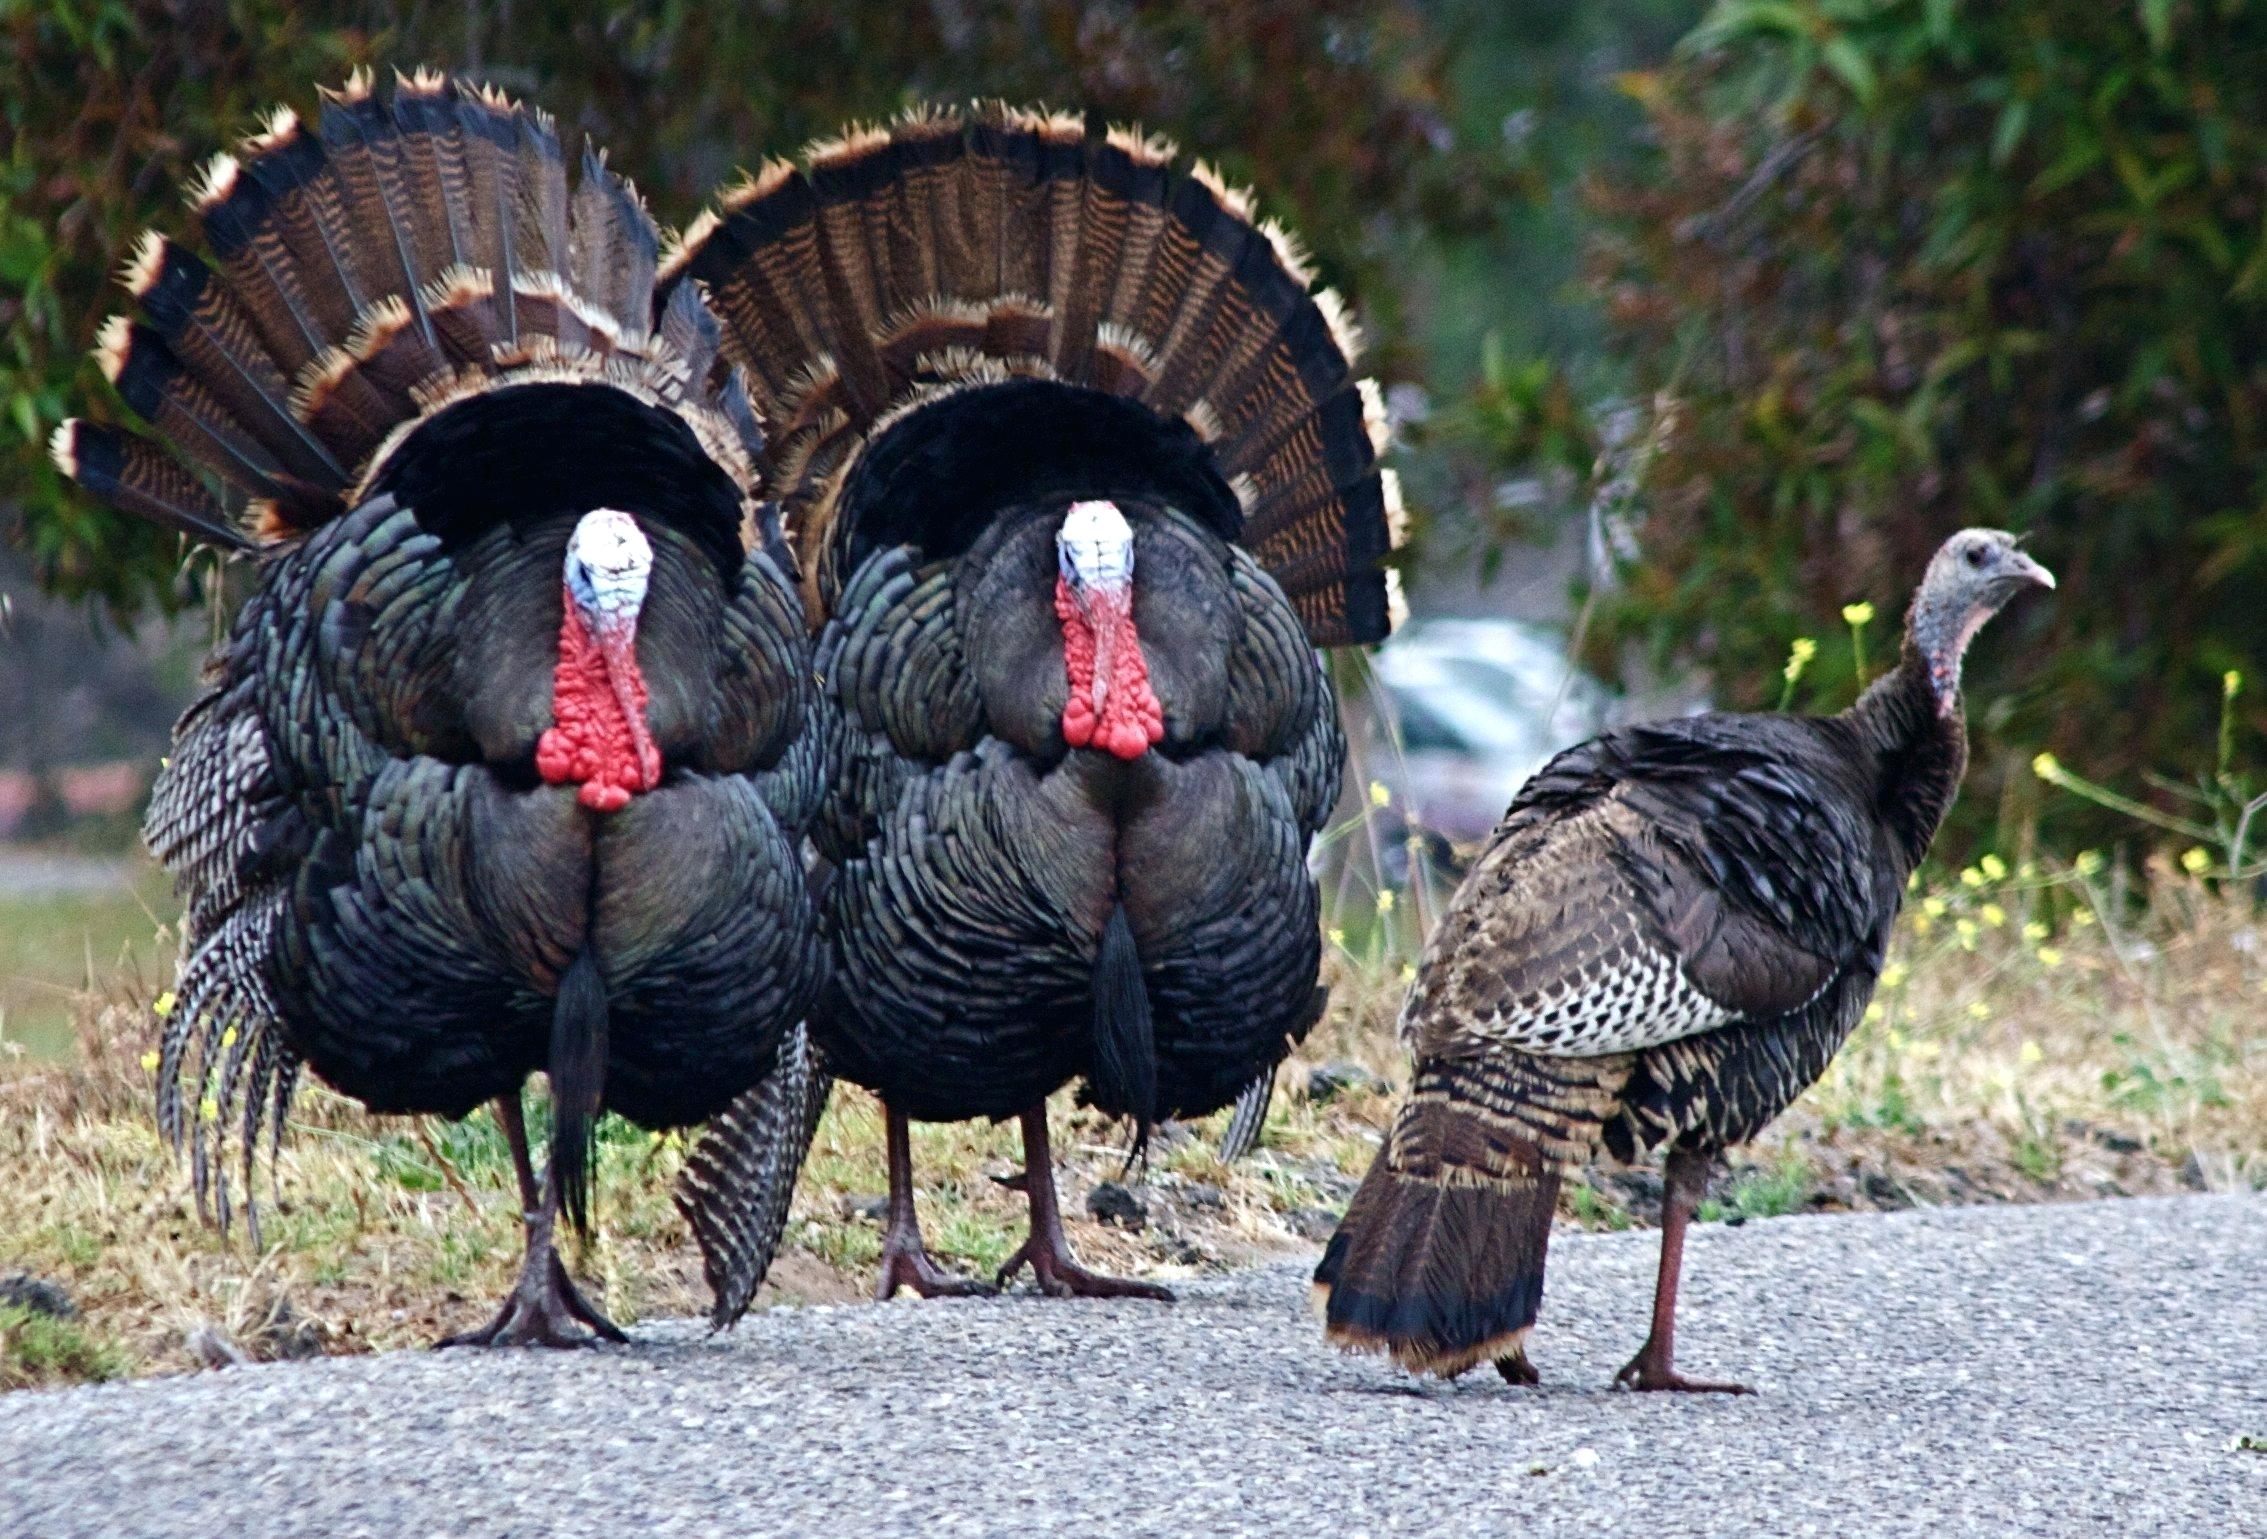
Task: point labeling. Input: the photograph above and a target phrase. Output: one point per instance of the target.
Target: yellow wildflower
(2049, 957)
(1966, 930)
(2031, 1052)
(1979, 1010)
(2087, 863)
(2047, 767)
(1994, 867)
(2196, 860)
(2231, 684)
(1379, 795)
(1408, 972)
(1971, 877)
(2082, 917)
(1338, 937)
(1860, 613)
(1993, 915)
(1385, 900)
(149, 1063)
(2034, 932)
(1893, 975)
(164, 1005)
(1933, 907)
(1874, 1012)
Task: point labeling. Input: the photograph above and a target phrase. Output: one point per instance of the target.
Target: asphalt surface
(2059, 1370)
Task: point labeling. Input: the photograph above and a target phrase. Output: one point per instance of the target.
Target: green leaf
(1850, 65)
(2157, 21)
(2013, 118)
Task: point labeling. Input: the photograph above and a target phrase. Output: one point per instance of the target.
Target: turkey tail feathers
(958, 251)
(1439, 1264)
(1123, 1074)
(1439, 1260)
(739, 1182)
(577, 1067)
(362, 275)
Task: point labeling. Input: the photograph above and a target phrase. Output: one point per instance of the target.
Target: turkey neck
(1919, 752)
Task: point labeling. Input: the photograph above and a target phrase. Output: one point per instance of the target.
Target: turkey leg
(545, 1309)
(906, 1262)
(1048, 1249)
(1685, 1180)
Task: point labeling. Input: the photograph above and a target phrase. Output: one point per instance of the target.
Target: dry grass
(2024, 1049)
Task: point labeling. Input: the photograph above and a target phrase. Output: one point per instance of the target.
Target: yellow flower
(1926, 1051)
(1922, 924)
(2087, 863)
(1893, 975)
(2231, 684)
(2049, 957)
(1994, 916)
(2047, 767)
(1408, 972)
(1933, 907)
(1896, 1040)
(1994, 867)
(149, 1063)
(2196, 860)
(1979, 1010)
(2031, 1052)
(1379, 795)
(164, 1005)
(1860, 613)
(1971, 877)
(2034, 932)
(1874, 1012)
(209, 1109)
(1966, 930)
(228, 1037)
(1798, 658)
(1338, 937)
(2082, 917)
(1385, 900)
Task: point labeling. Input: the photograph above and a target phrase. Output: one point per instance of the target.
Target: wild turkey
(1669, 936)
(1081, 476)
(443, 818)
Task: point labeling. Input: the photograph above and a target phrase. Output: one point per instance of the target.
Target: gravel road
(2059, 1370)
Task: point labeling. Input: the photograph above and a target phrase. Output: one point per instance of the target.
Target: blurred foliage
(1337, 111)
(1900, 266)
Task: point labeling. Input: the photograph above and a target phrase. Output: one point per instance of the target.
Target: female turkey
(1669, 936)
(508, 758)
(1081, 476)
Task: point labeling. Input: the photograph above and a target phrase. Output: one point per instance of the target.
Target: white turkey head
(599, 736)
(1970, 578)
(1110, 704)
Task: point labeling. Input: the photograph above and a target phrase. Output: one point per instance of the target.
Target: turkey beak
(2024, 570)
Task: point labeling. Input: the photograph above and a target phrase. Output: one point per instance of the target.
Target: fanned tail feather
(956, 252)
(364, 275)
(739, 1183)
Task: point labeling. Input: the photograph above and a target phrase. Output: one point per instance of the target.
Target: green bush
(1900, 266)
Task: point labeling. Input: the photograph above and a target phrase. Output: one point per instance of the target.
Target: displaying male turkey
(1668, 937)
(507, 761)
(1081, 476)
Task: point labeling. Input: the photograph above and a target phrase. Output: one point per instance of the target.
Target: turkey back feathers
(1011, 306)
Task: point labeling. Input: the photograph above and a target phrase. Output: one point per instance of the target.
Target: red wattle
(600, 738)
(1118, 712)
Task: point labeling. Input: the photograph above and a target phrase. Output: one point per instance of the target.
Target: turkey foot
(1516, 1369)
(906, 1262)
(1684, 1181)
(1650, 1370)
(545, 1309)
(1048, 1250)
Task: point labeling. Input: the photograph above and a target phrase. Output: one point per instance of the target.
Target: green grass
(36, 1349)
(54, 948)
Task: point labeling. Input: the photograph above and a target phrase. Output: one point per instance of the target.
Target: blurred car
(1462, 711)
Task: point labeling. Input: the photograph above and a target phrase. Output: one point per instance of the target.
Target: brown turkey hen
(1081, 476)
(1666, 941)
(507, 762)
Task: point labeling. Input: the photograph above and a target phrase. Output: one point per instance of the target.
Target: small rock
(210, 1346)
(2192, 1174)
(1203, 1194)
(1120, 1205)
(40, 1295)
(1317, 1224)
(866, 1206)
(1327, 1082)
